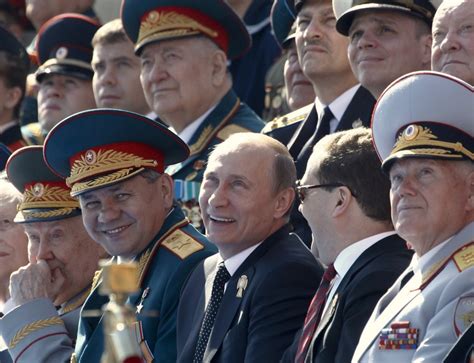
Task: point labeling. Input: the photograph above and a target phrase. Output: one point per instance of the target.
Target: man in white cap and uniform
(423, 126)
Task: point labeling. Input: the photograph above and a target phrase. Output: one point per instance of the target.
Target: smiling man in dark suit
(246, 303)
(348, 210)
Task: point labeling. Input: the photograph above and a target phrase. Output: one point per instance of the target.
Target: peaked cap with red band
(148, 21)
(96, 148)
(46, 197)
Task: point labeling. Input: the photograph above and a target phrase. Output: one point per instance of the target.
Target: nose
(108, 77)
(44, 251)
(366, 40)
(156, 73)
(406, 187)
(312, 31)
(109, 212)
(450, 42)
(218, 197)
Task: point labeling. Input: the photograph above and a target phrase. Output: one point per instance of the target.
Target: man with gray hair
(422, 130)
(453, 39)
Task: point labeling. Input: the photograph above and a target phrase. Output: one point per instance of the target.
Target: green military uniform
(98, 148)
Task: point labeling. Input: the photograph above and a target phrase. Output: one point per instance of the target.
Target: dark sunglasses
(302, 190)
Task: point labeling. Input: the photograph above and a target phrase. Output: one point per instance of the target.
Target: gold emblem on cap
(38, 190)
(90, 157)
(242, 285)
(170, 24)
(61, 53)
(411, 132)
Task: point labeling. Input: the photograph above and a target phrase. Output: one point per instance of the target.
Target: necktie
(322, 129)
(314, 313)
(222, 276)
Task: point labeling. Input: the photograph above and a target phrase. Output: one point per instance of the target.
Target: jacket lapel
(302, 134)
(358, 112)
(230, 302)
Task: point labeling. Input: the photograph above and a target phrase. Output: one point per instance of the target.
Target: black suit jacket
(282, 277)
(368, 278)
(358, 113)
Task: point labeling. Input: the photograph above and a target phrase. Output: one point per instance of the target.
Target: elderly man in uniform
(387, 38)
(48, 293)
(65, 74)
(184, 46)
(14, 66)
(270, 276)
(453, 39)
(116, 80)
(423, 131)
(114, 161)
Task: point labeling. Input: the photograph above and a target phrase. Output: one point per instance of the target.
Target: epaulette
(33, 133)
(181, 244)
(463, 258)
(229, 130)
(290, 118)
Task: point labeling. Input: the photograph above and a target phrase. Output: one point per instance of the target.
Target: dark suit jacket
(369, 277)
(282, 277)
(357, 114)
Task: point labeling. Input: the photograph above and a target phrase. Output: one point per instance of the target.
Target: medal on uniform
(144, 295)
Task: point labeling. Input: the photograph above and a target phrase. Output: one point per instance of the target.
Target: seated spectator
(48, 293)
(246, 197)
(348, 210)
(422, 130)
(116, 80)
(453, 39)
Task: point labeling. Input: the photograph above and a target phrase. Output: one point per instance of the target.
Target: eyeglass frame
(300, 189)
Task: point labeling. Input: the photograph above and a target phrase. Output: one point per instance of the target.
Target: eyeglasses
(302, 190)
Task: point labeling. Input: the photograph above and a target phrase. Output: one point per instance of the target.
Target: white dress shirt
(348, 256)
(188, 132)
(337, 107)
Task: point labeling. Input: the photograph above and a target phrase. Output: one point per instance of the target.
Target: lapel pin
(241, 285)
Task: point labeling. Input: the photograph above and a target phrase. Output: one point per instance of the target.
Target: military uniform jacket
(38, 332)
(12, 138)
(346, 314)
(438, 303)
(229, 117)
(164, 266)
(257, 326)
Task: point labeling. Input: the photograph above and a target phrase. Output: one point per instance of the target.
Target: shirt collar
(350, 254)
(339, 105)
(418, 264)
(233, 263)
(189, 130)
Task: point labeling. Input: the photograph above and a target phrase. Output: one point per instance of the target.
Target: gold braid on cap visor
(120, 163)
(423, 136)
